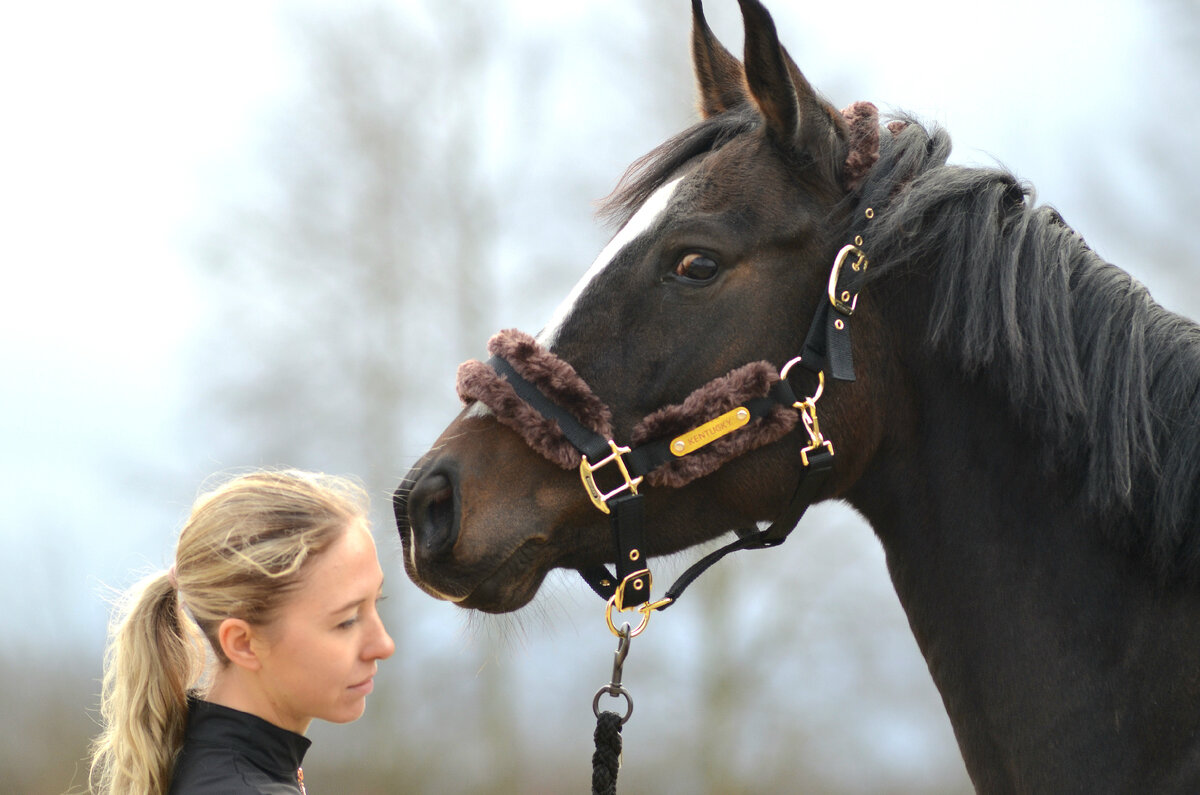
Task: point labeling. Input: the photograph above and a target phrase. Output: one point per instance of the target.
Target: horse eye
(696, 267)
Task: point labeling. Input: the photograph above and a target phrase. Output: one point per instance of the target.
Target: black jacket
(230, 752)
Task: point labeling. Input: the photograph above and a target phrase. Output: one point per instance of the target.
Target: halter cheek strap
(543, 399)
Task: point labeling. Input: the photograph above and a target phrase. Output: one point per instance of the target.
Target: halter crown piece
(542, 398)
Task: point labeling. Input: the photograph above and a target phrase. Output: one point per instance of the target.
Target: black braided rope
(607, 758)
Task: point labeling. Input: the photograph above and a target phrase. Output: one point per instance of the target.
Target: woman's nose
(381, 646)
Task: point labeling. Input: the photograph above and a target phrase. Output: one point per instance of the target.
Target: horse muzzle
(478, 517)
(427, 506)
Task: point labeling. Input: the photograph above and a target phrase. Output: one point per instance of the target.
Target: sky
(114, 111)
(126, 120)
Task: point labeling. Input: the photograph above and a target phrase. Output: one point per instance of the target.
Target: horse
(1017, 419)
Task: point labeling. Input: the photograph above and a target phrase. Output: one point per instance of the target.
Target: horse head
(728, 236)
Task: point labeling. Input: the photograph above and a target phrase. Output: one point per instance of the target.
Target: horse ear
(793, 111)
(719, 76)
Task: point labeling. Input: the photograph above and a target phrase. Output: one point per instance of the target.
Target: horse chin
(496, 596)
(510, 586)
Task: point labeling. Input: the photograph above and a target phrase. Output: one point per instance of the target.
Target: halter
(542, 398)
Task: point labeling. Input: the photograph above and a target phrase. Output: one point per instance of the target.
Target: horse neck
(1060, 660)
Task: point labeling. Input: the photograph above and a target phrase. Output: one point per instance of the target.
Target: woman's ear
(240, 643)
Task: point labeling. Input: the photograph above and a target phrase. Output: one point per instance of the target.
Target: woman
(276, 573)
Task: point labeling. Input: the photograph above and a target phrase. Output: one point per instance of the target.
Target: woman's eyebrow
(347, 606)
(354, 603)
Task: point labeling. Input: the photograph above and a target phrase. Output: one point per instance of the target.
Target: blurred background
(244, 234)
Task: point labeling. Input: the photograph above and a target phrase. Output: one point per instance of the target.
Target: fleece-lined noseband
(519, 360)
(543, 399)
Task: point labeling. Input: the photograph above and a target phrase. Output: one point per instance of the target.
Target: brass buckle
(639, 580)
(646, 607)
(587, 475)
(845, 302)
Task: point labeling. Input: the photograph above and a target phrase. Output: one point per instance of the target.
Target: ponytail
(151, 661)
(240, 553)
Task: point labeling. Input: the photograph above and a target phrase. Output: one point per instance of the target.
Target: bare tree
(358, 265)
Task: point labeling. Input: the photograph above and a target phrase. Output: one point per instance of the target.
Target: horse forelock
(660, 165)
(1076, 344)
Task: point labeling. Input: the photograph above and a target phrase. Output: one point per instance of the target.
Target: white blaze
(642, 220)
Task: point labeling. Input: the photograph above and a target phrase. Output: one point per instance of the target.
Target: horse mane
(1087, 359)
(1082, 351)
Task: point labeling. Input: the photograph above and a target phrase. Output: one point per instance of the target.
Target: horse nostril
(433, 512)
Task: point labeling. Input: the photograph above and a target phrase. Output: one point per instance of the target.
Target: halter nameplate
(710, 431)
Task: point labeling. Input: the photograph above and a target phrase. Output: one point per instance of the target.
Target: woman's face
(320, 654)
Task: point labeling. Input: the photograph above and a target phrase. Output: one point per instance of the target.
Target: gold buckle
(846, 302)
(587, 475)
(617, 601)
(639, 580)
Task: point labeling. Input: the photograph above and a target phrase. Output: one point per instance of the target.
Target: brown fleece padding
(863, 119)
(477, 381)
(708, 402)
(557, 380)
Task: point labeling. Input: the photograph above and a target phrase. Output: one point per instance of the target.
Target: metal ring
(783, 374)
(613, 627)
(616, 692)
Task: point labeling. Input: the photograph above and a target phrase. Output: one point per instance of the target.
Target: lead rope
(606, 760)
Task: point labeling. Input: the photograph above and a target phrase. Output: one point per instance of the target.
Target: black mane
(1111, 378)
(1020, 299)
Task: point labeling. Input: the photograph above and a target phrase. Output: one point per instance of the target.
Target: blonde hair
(240, 554)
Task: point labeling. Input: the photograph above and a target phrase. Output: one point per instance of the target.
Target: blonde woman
(276, 583)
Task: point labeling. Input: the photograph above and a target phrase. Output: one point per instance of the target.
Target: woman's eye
(696, 267)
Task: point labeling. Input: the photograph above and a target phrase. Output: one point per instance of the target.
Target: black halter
(826, 348)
